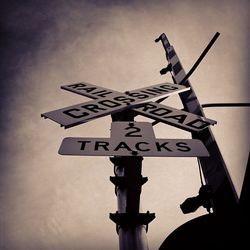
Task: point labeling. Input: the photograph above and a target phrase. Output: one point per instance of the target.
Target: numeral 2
(134, 132)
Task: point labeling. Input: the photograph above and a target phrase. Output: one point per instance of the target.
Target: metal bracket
(125, 219)
(121, 161)
(122, 181)
(117, 161)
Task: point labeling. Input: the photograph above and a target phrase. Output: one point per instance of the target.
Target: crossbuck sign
(109, 101)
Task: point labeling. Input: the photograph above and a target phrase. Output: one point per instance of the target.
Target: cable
(203, 54)
(202, 183)
(211, 105)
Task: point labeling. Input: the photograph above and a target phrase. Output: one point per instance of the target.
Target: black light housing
(191, 204)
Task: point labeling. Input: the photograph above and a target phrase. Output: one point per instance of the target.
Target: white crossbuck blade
(109, 101)
(84, 112)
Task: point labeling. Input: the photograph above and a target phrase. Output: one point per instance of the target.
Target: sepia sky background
(58, 202)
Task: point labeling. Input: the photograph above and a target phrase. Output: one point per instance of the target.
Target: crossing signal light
(191, 204)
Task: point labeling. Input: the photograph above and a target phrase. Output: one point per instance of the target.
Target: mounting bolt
(134, 152)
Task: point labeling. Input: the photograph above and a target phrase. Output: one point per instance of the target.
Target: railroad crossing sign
(137, 139)
(132, 139)
(109, 101)
(84, 112)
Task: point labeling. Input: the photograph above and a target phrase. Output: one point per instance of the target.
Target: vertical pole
(244, 206)
(128, 201)
(131, 224)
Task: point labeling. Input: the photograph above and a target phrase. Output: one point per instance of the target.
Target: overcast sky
(58, 202)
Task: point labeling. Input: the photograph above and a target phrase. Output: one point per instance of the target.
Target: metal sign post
(130, 141)
(130, 223)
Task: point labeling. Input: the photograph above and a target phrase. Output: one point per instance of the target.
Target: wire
(211, 105)
(199, 164)
(203, 54)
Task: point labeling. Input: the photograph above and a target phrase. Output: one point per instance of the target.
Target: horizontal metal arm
(225, 104)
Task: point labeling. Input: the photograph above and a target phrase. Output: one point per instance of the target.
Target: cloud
(64, 202)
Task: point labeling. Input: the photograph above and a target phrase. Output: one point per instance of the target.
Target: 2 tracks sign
(132, 139)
